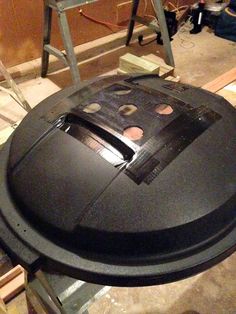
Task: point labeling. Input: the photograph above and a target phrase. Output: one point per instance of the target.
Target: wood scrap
(133, 64)
(165, 69)
(229, 93)
(12, 283)
(221, 81)
(173, 78)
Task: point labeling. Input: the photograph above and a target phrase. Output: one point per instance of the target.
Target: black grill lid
(104, 208)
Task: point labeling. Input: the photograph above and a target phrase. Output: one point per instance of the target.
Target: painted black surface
(100, 207)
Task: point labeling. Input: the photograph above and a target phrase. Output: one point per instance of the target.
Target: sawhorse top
(67, 4)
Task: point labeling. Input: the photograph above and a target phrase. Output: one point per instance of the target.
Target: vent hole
(127, 110)
(133, 133)
(92, 108)
(164, 109)
(122, 91)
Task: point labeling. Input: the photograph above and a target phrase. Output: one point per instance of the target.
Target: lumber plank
(221, 81)
(10, 275)
(173, 78)
(157, 60)
(12, 283)
(229, 93)
(133, 64)
(165, 69)
(13, 287)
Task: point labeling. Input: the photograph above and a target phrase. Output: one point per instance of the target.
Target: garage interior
(98, 32)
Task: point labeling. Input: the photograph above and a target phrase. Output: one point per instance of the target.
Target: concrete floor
(202, 57)
(199, 59)
(212, 292)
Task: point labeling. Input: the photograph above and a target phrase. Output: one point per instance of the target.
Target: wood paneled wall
(21, 25)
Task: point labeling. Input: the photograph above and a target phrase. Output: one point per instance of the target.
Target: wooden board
(12, 283)
(165, 69)
(229, 93)
(133, 64)
(221, 81)
(173, 78)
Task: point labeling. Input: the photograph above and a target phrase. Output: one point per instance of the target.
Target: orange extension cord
(100, 22)
(109, 25)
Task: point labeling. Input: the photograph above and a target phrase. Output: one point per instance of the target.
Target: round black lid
(125, 180)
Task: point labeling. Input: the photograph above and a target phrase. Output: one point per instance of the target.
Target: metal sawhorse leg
(16, 93)
(75, 296)
(162, 27)
(69, 58)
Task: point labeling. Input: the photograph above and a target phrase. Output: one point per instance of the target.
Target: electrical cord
(107, 24)
(184, 36)
(110, 25)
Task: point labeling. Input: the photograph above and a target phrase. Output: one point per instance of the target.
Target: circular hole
(133, 133)
(127, 110)
(122, 91)
(92, 108)
(18, 225)
(24, 230)
(164, 109)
